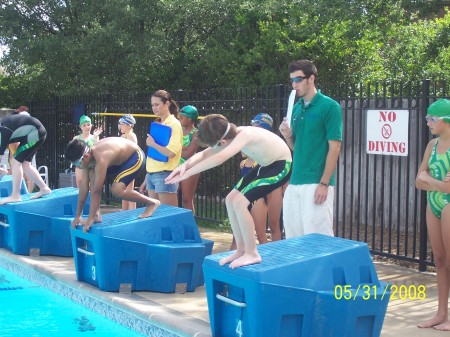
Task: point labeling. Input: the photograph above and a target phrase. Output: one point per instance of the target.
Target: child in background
(85, 136)
(226, 140)
(188, 116)
(126, 125)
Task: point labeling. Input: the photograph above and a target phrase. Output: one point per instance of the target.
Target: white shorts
(302, 216)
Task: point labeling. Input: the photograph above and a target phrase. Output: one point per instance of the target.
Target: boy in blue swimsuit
(226, 140)
(113, 156)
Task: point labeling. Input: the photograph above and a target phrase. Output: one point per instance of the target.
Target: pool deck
(187, 314)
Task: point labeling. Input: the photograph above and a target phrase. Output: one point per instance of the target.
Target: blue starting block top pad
(39, 226)
(53, 203)
(167, 225)
(297, 285)
(311, 261)
(161, 253)
(6, 186)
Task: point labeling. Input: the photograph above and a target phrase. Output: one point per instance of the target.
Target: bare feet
(149, 210)
(41, 193)
(98, 217)
(245, 260)
(10, 199)
(443, 327)
(436, 320)
(86, 227)
(230, 258)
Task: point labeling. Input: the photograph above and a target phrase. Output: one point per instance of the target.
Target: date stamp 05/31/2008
(373, 292)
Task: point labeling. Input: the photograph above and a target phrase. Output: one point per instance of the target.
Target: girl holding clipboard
(163, 159)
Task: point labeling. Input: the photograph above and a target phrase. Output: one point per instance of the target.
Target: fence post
(423, 195)
(281, 101)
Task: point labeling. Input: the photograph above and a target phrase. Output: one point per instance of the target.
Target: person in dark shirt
(30, 134)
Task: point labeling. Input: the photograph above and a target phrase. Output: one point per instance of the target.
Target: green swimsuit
(186, 142)
(89, 141)
(439, 166)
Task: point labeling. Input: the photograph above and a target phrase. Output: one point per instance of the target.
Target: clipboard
(161, 134)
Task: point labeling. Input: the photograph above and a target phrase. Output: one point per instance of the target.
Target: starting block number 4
(239, 328)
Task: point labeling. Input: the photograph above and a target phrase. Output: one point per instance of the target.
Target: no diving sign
(387, 132)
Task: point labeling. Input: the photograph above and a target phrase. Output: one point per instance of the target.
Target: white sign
(387, 132)
(290, 107)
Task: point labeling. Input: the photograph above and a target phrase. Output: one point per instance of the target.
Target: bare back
(113, 151)
(261, 145)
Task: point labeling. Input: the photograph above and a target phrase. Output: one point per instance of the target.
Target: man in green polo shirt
(314, 133)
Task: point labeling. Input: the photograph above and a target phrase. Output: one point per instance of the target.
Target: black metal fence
(376, 199)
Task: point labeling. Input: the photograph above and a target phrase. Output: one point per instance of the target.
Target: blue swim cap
(127, 119)
(263, 120)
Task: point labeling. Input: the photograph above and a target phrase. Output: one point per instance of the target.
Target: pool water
(30, 310)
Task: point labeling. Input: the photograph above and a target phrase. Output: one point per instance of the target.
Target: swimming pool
(32, 310)
(132, 311)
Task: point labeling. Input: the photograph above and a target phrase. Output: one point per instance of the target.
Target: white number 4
(239, 328)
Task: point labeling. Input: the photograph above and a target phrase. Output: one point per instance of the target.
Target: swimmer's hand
(177, 175)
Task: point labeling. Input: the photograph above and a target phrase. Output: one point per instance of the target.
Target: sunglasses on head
(298, 79)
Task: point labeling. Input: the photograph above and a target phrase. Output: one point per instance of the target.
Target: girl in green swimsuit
(85, 136)
(188, 116)
(433, 176)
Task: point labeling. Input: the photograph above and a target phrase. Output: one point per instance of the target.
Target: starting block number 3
(93, 273)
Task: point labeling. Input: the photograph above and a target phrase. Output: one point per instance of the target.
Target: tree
(61, 47)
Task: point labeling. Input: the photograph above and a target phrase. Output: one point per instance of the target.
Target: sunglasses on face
(297, 79)
(434, 119)
(78, 162)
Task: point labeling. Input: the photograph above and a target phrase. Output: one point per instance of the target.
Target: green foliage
(14, 91)
(96, 46)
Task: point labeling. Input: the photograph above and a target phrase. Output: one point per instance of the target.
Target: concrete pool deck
(187, 314)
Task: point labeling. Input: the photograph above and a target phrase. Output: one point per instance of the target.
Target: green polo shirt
(312, 127)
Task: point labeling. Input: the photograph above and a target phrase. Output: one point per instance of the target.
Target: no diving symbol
(386, 131)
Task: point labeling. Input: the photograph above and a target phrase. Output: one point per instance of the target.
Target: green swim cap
(190, 112)
(440, 108)
(84, 119)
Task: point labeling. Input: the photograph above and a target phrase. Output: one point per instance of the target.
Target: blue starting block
(6, 186)
(40, 226)
(310, 286)
(162, 253)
